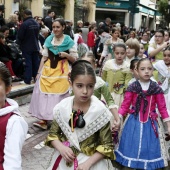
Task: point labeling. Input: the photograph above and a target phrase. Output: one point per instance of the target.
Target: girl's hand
(83, 166)
(67, 153)
(116, 125)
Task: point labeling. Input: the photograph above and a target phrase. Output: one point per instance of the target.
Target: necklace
(58, 38)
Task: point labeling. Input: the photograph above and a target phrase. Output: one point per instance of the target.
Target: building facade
(120, 11)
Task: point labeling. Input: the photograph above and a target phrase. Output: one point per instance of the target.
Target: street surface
(35, 156)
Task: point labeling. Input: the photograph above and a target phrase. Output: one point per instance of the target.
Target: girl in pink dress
(142, 144)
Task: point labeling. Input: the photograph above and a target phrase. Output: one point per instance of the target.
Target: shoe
(41, 124)
(16, 79)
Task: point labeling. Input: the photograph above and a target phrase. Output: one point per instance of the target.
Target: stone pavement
(35, 156)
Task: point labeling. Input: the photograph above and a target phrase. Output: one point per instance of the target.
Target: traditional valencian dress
(164, 80)
(142, 144)
(53, 84)
(101, 91)
(117, 78)
(13, 131)
(95, 136)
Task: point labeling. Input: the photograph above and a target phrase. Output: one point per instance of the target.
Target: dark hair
(167, 48)
(86, 24)
(78, 30)
(27, 12)
(122, 45)
(100, 31)
(89, 55)
(81, 67)
(1, 35)
(5, 75)
(160, 31)
(49, 11)
(141, 60)
(106, 29)
(114, 30)
(132, 63)
(61, 21)
(4, 28)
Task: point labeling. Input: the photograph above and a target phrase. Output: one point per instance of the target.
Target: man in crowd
(28, 40)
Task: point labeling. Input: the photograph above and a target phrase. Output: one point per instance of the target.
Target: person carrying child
(80, 131)
(13, 128)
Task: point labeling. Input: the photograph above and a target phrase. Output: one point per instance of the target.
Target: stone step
(21, 92)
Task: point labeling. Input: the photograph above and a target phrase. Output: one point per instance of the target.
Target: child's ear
(8, 89)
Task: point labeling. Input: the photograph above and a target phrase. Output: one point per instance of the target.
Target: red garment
(90, 39)
(3, 123)
(9, 66)
(157, 100)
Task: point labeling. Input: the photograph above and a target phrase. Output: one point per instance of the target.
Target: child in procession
(80, 131)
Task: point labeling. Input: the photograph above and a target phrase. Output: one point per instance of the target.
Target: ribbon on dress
(56, 164)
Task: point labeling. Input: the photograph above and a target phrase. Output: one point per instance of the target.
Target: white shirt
(16, 132)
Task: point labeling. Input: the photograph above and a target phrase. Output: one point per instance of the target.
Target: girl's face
(159, 38)
(132, 35)
(115, 34)
(130, 52)
(142, 50)
(120, 54)
(145, 71)
(83, 88)
(90, 61)
(3, 92)
(57, 28)
(166, 58)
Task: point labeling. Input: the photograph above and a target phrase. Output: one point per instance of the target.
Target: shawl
(65, 45)
(135, 87)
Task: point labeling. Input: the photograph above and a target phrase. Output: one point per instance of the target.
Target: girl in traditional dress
(142, 144)
(13, 128)
(116, 73)
(52, 80)
(80, 131)
(132, 49)
(163, 69)
(101, 90)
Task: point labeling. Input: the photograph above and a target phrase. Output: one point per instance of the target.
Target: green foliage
(163, 7)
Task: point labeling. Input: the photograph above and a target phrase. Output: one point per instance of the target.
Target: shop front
(116, 10)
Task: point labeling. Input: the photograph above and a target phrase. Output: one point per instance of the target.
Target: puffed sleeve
(160, 100)
(54, 133)
(105, 146)
(108, 97)
(15, 136)
(124, 109)
(73, 51)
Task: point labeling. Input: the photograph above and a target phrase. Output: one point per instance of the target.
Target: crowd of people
(102, 90)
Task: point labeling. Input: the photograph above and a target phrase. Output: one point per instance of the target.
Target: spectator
(43, 35)
(28, 41)
(79, 24)
(13, 27)
(49, 19)
(85, 30)
(68, 30)
(107, 23)
(2, 20)
(91, 38)
(5, 57)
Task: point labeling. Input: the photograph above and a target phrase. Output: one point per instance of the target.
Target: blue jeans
(32, 62)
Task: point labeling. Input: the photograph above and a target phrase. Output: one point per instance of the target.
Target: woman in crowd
(108, 45)
(155, 49)
(52, 80)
